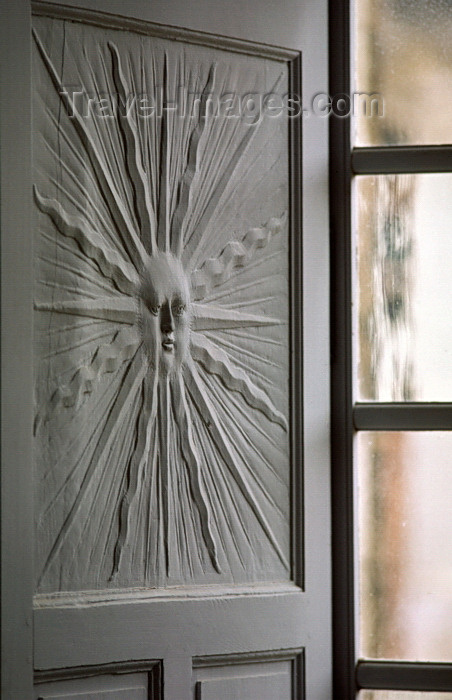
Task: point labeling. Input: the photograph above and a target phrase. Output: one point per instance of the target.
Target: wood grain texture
(161, 314)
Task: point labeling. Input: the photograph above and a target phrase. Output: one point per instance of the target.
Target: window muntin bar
(399, 675)
(402, 695)
(402, 416)
(401, 159)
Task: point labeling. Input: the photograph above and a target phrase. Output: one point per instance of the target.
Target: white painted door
(179, 449)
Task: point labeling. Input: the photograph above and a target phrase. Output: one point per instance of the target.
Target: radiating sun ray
(209, 317)
(192, 461)
(132, 242)
(111, 263)
(216, 361)
(167, 481)
(107, 359)
(136, 463)
(178, 220)
(210, 416)
(122, 310)
(107, 484)
(146, 214)
(195, 238)
(215, 271)
(166, 476)
(126, 395)
(163, 226)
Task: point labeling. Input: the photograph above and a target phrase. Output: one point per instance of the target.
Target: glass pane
(403, 52)
(403, 321)
(401, 695)
(405, 552)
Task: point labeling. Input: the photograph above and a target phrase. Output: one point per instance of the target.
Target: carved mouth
(168, 344)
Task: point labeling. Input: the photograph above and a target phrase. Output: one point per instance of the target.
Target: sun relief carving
(167, 358)
(165, 313)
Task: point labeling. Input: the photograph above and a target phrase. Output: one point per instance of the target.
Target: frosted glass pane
(405, 552)
(403, 52)
(402, 695)
(403, 315)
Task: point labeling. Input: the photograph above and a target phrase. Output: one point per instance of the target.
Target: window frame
(350, 673)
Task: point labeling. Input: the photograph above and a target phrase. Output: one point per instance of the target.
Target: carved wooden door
(173, 551)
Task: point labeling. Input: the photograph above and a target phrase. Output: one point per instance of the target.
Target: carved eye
(154, 309)
(178, 309)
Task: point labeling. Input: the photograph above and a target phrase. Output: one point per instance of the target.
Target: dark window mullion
(342, 428)
(401, 159)
(393, 416)
(399, 675)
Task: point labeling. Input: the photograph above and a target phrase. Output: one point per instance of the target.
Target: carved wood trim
(63, 674)
(103, 19)
(249, 657)
(63, 636)
(295, 655)
(154, 670)
(296, 329)
(44, 601)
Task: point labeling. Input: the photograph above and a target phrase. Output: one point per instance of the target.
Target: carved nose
(167, 322)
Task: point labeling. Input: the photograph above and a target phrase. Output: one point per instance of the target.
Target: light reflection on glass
(403, 267)
(403, 52)
(405, 553)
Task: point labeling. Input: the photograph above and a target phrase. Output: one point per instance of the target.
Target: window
(391, 187)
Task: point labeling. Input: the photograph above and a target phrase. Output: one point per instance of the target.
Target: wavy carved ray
(224, 446)
(132, 242)
(137, 463)
(111, 263)
(126, 395)
(216, 361)
(236, 254)
(142, 199)
(106, 360)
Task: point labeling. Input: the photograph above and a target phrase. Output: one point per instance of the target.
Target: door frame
(16, 352)
(17, 384)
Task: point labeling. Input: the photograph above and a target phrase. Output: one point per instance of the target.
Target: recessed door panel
(97, 687)
(266, 680)
(264, 687)
(162, 311)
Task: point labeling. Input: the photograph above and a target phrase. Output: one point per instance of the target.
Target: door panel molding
(44, 601)
(112, 680)
(63, 636)
(266, 680)
(107, 20)
(157, 435)
(249, 657)
(129, 667)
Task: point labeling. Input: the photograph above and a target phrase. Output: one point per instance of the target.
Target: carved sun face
(163, 422)
(165, 312)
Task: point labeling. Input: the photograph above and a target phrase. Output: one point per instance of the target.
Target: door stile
(16, 352)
